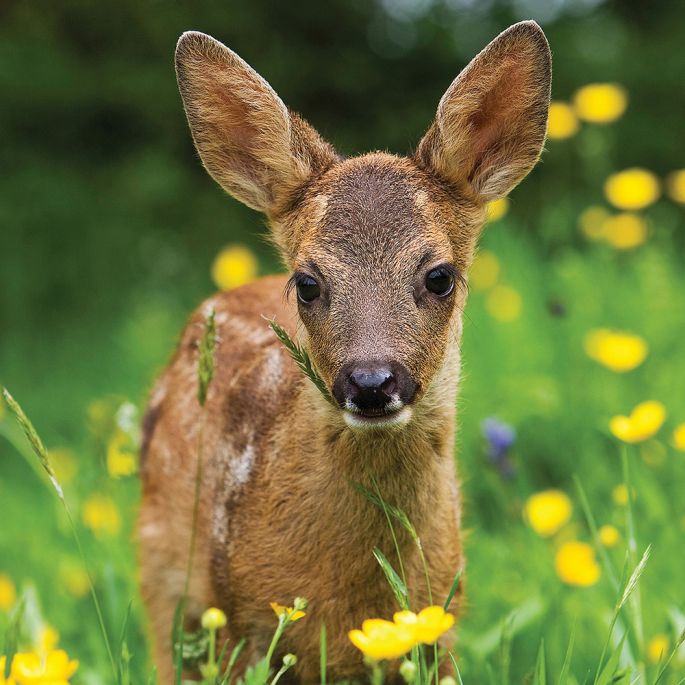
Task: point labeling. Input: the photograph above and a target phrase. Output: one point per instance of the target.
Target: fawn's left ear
(490, 125)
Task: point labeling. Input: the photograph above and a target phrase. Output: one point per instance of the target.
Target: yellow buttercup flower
(643, 423)
(657, 648)
(496, 209)
(121, 455)
(675, 185)
(679, 437)
(48, 638)
(484, 271)
(292, 614)
(213, 619)
(591, 222)
(548, 511)
(504, 303)
(575, 564)
(8, 593)
(379, 639)
(101, 515)
(235, 265)
(618, 351)
(74, 578)
(625, 231)
(428, 625)
(55, 668)
(620, 495)
(632, 189)
(600, 103)
(609, 535)
(562, 121)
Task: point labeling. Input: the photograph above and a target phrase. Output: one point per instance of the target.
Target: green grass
(531, 372)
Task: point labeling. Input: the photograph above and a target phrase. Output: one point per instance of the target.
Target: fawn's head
(378, 245)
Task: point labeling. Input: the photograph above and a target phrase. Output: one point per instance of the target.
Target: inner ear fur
(248, 141)
(491, 122)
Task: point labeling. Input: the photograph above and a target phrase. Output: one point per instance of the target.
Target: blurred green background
(109, 226)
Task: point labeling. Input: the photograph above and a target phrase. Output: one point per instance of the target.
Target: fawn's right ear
(247, 139)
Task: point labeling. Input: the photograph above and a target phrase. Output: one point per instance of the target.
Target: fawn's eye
(307, 289)
(440, 281)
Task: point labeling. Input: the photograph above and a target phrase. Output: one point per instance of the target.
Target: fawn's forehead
(376, 210)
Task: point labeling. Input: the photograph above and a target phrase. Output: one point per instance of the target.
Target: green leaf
(395, 512)
(540, 677)
(453, 589)
(205, 365)
(563, 676)
(398, 587)
(609, 672)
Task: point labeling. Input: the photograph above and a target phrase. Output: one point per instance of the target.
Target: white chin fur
(398, 418)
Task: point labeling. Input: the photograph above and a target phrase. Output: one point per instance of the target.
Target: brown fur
(277, 516)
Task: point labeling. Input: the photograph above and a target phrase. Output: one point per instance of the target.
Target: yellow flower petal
(213, 619)
(657, 648)
(600, 103)
(379, 639)
(576, 565)
(484, 271)
(625, 231)
(8, 593)
(679, 437)
(675, 185)
(609, 536)
(101, 515)
(280, 609)
(620, 495)
(496, 209)
(562, 121)
(618, 351)
(643, 423)
(55, 668)
(632, 189)
(504, 303)
(121, 455)
(431, 623)
(235, 265)
(548, 511)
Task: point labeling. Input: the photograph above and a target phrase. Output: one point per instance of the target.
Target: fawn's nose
(374, 388)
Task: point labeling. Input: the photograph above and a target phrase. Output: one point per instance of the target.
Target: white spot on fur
(357, 421)
(241, 467)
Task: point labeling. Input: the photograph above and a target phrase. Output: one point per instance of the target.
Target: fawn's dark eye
(440, 281)
(307, 289)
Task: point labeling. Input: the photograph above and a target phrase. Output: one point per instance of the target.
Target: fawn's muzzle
(374, 389)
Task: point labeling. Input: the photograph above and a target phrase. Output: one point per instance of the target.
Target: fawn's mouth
(377, 418)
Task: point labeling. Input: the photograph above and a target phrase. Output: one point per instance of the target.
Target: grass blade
(540, 677)
(322, 654)
(566, 667)
(453, 589)
(396, 584)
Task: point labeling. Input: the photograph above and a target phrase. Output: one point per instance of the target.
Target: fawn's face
(378, 245)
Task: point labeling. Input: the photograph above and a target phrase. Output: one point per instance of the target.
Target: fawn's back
(378, 248)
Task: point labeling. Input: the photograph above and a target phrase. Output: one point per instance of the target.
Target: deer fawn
(378, 247)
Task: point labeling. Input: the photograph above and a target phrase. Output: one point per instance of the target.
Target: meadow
(571, 441)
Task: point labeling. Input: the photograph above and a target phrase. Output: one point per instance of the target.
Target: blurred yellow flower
(496, 209)
(8, 593)
(74, 578)
(428, 625)
(213, 619)
(293, 615)
(121, 455)
(632, 189)
(620, 495)
(625, 230)
(548, 511)
(55, 668)
(576, 564)
(101, 515)
(618, 351)
(504, 303)
(484, 270)
(3, 664)
(657, 648)
(679, 437)
(48, 638)
(609, 535)
(675, 184)
(379, 639)
(600, 103)
(591, 222)
(235, 265)
(644, 422)
(562, 121)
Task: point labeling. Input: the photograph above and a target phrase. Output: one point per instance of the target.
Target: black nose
(372, 386)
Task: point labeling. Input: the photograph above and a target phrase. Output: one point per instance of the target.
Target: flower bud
(289, 660)
(447, 680)
(408, 671)
(300, 604)
(213, 619)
